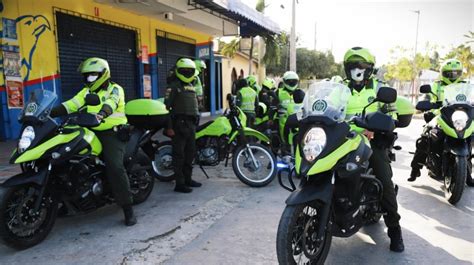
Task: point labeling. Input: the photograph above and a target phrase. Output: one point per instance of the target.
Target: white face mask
(92, 78)
(357, 74)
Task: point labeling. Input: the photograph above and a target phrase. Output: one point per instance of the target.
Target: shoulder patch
(115, 91)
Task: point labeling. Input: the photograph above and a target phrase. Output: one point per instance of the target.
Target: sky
(376, 25)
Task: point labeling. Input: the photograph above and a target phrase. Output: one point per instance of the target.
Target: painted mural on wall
(34, 27)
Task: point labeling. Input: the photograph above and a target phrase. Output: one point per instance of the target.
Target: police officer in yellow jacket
(111, 111)
(181, 101)
(451, 73)
(359, 66)
(247, 100)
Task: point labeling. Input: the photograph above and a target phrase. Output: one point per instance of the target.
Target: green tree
(402, 67)
(231, 48)
(310, 64)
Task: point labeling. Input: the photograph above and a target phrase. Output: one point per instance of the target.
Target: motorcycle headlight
(459, 119)
(27, 136)
(314, 142)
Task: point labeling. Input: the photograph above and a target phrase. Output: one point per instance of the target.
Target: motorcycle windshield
(325, 99)
(459, 94)
(39, 104)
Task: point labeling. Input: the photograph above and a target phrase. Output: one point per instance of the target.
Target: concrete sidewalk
(6, 169)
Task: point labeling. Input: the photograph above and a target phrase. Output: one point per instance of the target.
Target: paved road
(226, 222)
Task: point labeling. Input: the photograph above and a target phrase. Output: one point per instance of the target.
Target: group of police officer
(183, 92)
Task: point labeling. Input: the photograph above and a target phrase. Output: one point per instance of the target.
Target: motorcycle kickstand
(226, 159)
(203, 171)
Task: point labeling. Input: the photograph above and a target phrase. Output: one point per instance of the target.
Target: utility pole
(414, 90)
(315, 33)
(293, 39)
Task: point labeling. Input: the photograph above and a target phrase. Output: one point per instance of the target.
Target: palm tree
(272, 44)
(470, 36)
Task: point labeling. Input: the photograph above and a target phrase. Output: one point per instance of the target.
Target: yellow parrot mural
(36, 26)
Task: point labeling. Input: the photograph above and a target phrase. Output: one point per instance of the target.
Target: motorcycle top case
(405, 111)
(146, 113)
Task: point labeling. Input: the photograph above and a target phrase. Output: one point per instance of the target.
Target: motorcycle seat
(203, 126)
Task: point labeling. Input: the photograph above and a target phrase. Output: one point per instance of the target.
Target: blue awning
(251, 22)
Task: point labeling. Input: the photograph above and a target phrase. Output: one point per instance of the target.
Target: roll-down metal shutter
(79, 39)
(169, 50)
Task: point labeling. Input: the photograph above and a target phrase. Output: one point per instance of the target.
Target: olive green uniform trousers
(113, 151)
(380, 163)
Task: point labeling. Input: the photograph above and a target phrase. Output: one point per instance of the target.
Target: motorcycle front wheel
(297, 234)
(469, 177)
(20, 226)
(254, 164)
(454, 181)
(162, 163)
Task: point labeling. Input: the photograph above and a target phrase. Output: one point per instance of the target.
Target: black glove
(428, 116)
(58, 111)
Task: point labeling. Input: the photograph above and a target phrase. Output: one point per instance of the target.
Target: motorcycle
(62, 169)
(275, 130)
(227, 136)
(337, 194)
(449, 146)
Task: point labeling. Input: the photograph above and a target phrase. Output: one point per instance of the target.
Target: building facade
(44, 41)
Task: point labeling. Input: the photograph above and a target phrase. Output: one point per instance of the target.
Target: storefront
(44, 41)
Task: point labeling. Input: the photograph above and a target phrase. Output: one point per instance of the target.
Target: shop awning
(251, 22)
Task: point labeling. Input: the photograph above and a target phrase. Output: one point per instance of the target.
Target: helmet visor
(452, 75)
(187, 72)
(291, 82)
(360, 65)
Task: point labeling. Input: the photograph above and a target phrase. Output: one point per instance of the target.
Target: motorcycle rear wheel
(454, 184)
(295, 236)
(20, 226)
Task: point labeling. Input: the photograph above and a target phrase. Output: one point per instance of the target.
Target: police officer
(200, 66)
(247, 100)
(111, 111)
(182, 103)
(451, 72)
(268, 96)
(359, 66)
(285, 98)
(252, 82)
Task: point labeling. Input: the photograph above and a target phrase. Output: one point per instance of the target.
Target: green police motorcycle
(62, 169)
(221, 139)
(337, 194)
(449, 147)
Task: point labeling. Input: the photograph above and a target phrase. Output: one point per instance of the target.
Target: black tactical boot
(182, 189)
(193, 184)
(130, 218)
(415, 172)
(396, 240)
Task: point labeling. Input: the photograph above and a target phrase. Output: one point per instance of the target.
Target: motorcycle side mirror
(231, 99)
(424, 105)
(425, 89)
(386, 95)
(92, 100)
(298, 96)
